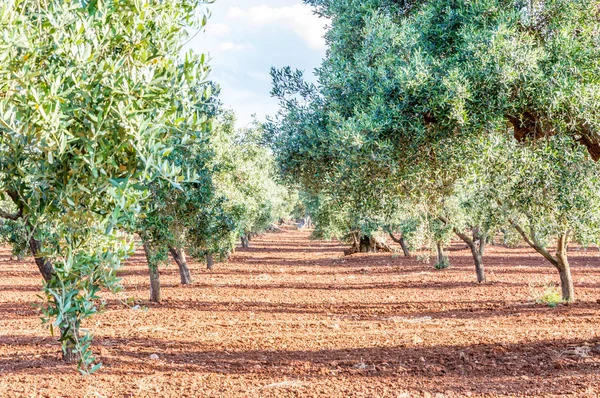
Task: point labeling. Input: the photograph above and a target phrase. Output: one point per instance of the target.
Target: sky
(245, 38)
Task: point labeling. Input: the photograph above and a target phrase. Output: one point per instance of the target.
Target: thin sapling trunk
(154, 275)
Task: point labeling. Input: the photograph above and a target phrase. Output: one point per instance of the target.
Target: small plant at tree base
(445, 263)
(551, 297)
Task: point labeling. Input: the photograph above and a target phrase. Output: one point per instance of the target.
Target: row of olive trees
(108, 130)
(234, 196)
(409, 129)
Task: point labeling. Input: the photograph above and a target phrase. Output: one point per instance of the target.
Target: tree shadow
(545, 367)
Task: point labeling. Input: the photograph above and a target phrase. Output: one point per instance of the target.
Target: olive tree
(405, 83)
(94, 95)
(550, 193)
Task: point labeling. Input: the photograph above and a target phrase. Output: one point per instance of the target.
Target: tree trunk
(561, 261)
(404, 247)
(154, 276)
(477, 246)
(43, 264)
(482, 239)
(245, 242)
(184, 271)
(566, 284)
(68, 349)
(210, 262)
(402, 243)
(154, 284)
(564, 269)
(440, 252)
(367, 244)
(478, 260)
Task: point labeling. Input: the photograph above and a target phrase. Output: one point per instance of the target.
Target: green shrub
(550, 297)
(443, 265)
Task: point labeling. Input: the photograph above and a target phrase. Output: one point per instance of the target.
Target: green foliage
(87, 120)
(442, 264)
(411, 119)
(552, 187)
(551, 297)
(233, 193)
(244, 175)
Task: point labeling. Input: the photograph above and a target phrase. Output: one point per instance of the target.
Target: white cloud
(219, 29)
(230, 46)
(235, 12)
(299, 18)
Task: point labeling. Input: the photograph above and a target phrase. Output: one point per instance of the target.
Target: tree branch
(13, 216)
(534, 244)
(460, 234)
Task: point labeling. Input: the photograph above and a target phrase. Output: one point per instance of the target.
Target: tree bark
(365, 244)
(440, 252)
(154, 284)
(210, 262)
(184, 271)
(476, 252)
(478, 260)
(154, 276)
(402, 243)
(43, 264)
(477, 246)
(482, 244)
(564, 269)
(245, 242)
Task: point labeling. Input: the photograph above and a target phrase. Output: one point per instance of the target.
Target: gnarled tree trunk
(184, 271)
(367, 244)
(564, 269)
(477, 246)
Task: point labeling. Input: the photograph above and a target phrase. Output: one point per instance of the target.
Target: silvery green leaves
(93, 97)
(413, 100)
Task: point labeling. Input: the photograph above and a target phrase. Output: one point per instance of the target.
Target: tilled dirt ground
(290, 317)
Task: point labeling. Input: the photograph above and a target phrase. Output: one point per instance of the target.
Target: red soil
(293, 318)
